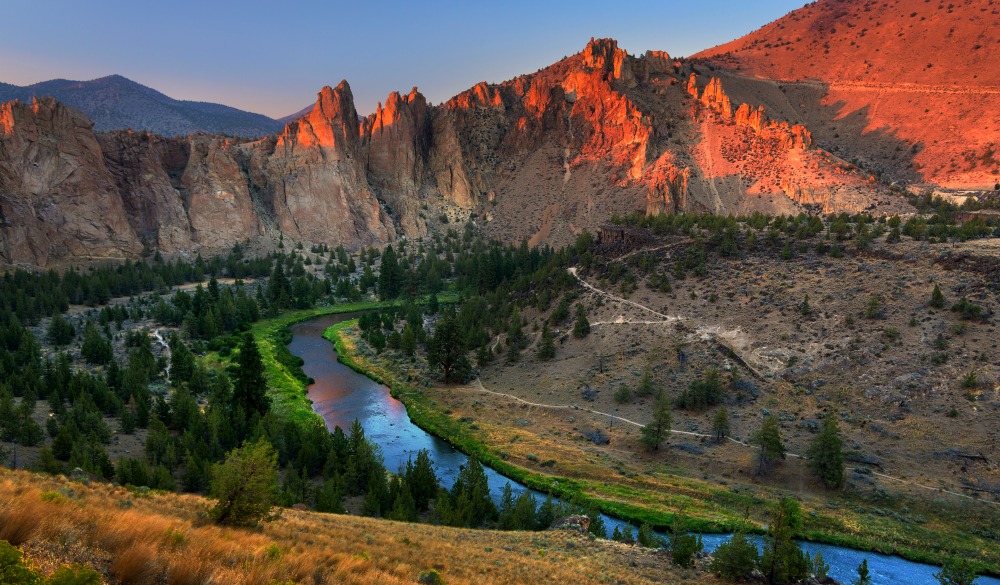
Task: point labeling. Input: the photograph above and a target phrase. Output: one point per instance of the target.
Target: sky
(273, 57)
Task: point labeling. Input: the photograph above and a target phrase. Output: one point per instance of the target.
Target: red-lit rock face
(540, 157)
(901, 85)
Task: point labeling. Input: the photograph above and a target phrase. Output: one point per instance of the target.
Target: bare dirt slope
(901, 85)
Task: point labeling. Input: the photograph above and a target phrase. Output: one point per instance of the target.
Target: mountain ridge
(114, 102)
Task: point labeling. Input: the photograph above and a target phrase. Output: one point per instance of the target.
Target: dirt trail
(713, 331)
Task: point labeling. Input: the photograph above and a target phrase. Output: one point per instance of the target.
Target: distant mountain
(296, 115)
(118, 103)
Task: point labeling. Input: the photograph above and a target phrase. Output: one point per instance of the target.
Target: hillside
(140, 537)
(899, 85)
(118, 103)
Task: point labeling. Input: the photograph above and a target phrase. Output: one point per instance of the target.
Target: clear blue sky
(273, 57)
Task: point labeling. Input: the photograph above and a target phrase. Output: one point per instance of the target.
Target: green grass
(844, 521)
(286, 382)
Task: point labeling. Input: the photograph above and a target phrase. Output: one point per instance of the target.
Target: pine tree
(937, 298)
(250, 387)
(581, 328)
(783, 561)
(389, 276)
(245, 485)
(546, 346)
(446, 350)
(768, 438)
(655, 432)
(826, 455)
(720, 424)
(864, 577)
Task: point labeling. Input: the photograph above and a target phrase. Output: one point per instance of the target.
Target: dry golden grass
(163, 539)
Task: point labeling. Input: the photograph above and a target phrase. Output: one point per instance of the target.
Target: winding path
(669, 318)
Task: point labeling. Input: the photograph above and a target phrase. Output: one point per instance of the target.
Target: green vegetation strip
(286, 381)
(876, 535)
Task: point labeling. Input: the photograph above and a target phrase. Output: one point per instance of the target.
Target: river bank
(429, 413)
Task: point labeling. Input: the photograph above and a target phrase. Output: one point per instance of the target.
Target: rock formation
(539, 157)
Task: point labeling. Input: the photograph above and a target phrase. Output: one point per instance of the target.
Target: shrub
(13, 568)
(623, 394)
(74, 575)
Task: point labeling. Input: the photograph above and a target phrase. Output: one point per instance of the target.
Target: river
(340, 395)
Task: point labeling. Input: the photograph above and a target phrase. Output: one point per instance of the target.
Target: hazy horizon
(246, 56)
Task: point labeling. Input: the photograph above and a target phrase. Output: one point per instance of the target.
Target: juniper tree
(546, 346)
(720, 424)
(937, 298)
(245, 485)
(446, 350)
(581, 328)
(826, 454)
(655, 432)
(768, 438)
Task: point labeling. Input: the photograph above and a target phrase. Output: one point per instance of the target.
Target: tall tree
(655, 432)
(581, 328)
(720, 424)
(389, 276)
(826, 454)
(783, 561)
(768, 438)
(546, 346)
(250, 387)
(446, 350)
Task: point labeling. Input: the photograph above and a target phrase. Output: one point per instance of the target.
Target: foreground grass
(931, 532)
(163, 538)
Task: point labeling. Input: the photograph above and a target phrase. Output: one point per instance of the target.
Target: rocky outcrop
(57, 200)
(540, 157)
(788, 136)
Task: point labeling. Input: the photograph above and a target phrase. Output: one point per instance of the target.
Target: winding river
(340, 395)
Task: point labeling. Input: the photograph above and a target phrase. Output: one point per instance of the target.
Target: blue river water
(340, 395)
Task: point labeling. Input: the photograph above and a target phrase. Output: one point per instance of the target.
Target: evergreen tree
(937, 298)
(874, 309)
(408, 341)
(60, 331)
(656, 431)
(647, 386)
(546, 346)
(250, 387)
(181, 361)
(720, 424)
(768, 438)
(826, 454)
(581, 328)
(390, 275)
(446, 350)
(956, 572)
(864, 577)
(96, 349)
(736, 558)
(245, 485)
(783, 561)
